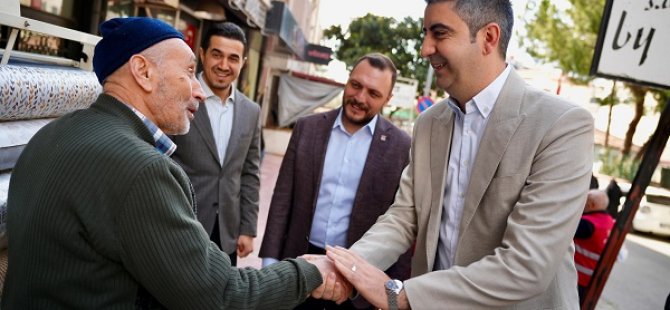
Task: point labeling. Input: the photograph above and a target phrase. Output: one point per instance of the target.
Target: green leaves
(399, 40)
(564, 36)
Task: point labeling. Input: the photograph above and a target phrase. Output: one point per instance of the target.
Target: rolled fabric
(30, 92)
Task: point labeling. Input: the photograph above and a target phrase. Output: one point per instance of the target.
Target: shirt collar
(484, 101)
(371, 125)
(161, 141)
(210, 94)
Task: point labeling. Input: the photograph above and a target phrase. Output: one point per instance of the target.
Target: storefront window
(127, 8)
(188, 25)
(119, 8)
(62, 8)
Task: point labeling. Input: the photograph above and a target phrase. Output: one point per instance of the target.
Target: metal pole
(429, 81)
(625, 219)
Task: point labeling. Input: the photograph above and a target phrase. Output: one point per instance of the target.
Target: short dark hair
(478, 13)
(381, 62)
(227, 30)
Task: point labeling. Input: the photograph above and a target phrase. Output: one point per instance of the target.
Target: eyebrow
(222, 52)
(438, 26)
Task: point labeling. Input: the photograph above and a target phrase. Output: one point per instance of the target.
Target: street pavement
(640, 282)
(269, 171)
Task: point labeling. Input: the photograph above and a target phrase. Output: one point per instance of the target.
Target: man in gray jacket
(221, 154)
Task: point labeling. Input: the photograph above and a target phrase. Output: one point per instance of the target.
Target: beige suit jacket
(526, 193)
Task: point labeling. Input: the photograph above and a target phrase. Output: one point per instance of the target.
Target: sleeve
(282, 201)
(539, 228)
(584, 229)
(167, 252)
(396, 229)
(250, 183)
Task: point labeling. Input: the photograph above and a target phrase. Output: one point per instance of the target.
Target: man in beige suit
(495, 186)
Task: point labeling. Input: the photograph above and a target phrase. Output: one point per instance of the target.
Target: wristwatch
(393, 289)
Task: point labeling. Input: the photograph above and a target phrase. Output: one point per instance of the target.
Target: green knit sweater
(98, 219)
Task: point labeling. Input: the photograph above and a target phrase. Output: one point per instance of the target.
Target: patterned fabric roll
(28, 92)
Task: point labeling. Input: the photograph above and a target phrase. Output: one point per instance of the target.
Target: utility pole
(429, 81)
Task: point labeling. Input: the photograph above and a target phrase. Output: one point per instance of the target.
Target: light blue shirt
(220, 117)
(468, 131)
(345, 158)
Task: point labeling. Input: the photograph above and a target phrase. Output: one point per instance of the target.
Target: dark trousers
(581, 290)
(318, 304)
(216, 238)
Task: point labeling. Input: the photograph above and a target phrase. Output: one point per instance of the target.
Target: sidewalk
(269, 172)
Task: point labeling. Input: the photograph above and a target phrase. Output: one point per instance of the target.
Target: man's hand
(366, 278)
(245, 245)
(334, 287)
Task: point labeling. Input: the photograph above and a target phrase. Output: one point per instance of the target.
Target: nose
(223, 63)
(427, 46)
(196, 90)
(360, 95)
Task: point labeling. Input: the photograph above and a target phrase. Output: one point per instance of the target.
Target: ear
(491, 38)
(388, 99)
(201, 53)
(142, 71)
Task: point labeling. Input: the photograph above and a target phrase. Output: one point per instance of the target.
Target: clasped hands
(342, 270)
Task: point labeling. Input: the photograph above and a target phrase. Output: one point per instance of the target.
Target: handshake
(343, 270)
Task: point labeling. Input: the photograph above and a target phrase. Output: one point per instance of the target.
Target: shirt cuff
(267, 261)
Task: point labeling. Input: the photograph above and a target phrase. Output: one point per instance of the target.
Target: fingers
(245, 245)
(334, 287)
(312, 257)
(343, 293)
(344, 261)
(368, 279)
(330, 289)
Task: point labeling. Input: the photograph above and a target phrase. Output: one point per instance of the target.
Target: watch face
(390, 285)
(393, 285)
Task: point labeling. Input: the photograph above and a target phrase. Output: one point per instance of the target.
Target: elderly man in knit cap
(100, 217)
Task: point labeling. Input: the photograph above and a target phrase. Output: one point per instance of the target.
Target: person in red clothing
(592, 233)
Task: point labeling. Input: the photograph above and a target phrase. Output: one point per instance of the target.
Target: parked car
(653, 216)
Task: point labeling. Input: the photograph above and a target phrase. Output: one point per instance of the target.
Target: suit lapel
(320, 143)
(440, 142)
(505, 119)
(380, 143)
(239, 116)
(204, 128)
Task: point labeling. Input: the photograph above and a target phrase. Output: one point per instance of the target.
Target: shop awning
(299, 94)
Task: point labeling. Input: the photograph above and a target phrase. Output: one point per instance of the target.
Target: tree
(568, 38)
(400, 41)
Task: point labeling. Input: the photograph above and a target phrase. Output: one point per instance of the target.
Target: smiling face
(221, 64)
(365, 94)
(177, 92)
(452, 52)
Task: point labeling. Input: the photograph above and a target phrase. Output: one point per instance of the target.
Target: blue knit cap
(124, 37)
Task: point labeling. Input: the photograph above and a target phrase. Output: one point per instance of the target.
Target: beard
(168, 110)
(359, 121)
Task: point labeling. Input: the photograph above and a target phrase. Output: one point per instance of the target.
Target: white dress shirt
(346, 155)
(342, 169)
(220, 117)
(467, 134)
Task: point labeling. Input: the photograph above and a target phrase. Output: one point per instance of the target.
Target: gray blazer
(232, 190)
(526, 194)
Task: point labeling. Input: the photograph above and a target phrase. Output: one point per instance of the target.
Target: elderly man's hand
(334, 286)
